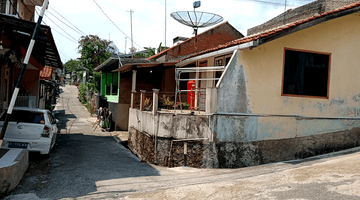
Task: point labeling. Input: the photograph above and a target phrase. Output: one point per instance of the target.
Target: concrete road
(88, 164)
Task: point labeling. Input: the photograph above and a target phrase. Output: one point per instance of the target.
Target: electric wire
(269, 2)
(115, 24)
(62, 29)
(57, 30)
(64, 55)
(65, 23)
(14, 9)
(294, 5)
(65, 36)
(68, 21)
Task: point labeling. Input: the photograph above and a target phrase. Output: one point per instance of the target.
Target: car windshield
(25, 117)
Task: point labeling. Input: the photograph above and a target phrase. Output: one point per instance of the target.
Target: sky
(148, 20)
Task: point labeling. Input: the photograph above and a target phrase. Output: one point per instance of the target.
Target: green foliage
(49, 107)
(71, 65)
(95, 82)
(94, 51)
(151, 52)
(82, 93)
(88, 106)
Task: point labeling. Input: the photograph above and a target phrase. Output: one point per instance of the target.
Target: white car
(30, 128)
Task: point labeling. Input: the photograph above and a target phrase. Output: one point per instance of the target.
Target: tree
(94, 51)
(151, 51)
(71, 65)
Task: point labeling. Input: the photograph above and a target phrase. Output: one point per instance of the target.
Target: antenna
(165, 23)
(132, 43)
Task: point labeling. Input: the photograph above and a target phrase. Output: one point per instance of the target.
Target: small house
(288, 90)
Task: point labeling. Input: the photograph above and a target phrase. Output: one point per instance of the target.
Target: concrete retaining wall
(230, 141)
(200, 154)
(11, 174)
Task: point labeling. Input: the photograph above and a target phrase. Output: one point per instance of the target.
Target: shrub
(87, 105)
(82, 93)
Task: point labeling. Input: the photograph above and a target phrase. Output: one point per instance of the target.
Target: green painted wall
(108, 81)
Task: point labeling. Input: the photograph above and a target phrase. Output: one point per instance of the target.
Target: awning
(16, 35)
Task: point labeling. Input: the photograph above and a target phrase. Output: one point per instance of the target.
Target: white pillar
(133, 81)
(155, 100)
(211, 100)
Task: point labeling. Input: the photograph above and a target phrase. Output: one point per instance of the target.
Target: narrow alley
(88, 164)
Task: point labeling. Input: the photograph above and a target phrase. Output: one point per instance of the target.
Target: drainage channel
(125, 144)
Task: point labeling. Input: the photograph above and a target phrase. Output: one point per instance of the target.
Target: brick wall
(211, 38)
(302, 12)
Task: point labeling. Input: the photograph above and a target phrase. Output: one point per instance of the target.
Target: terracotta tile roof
(271, 31)
(46, 72)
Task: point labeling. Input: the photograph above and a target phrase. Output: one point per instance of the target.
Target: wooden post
(155, 100)
(142, 99)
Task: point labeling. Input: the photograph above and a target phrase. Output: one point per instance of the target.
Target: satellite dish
(196, 19)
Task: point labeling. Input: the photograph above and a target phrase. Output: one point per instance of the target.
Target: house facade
(16, 22)
(286, 93)
(131, 76)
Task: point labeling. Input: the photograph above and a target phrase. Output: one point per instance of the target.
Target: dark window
(108, 89)
(25, 117)
(115, 89)
(306, 73)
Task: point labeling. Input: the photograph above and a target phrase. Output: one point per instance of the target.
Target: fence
(144, 100)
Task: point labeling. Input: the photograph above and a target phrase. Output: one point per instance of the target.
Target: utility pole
(165, 23)
(125, 44)
(132, 43)
(23, 69)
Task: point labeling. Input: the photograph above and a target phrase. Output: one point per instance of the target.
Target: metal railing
(197, 91)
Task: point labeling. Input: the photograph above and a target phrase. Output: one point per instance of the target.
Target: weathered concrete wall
(122, 117)
(257, 125)
(238, 141)
(170, 125)
(242, 154)
(232, 93)
(10, 175)
(200, 154)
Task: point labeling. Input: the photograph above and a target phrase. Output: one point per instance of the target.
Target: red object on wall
(191, 94)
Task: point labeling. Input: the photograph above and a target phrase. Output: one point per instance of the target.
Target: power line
(115, 24)
(269, 2)
(68, 21)
(65, 23)
(45, 23)
(64, 54)
(65, 36)
(62, 29)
